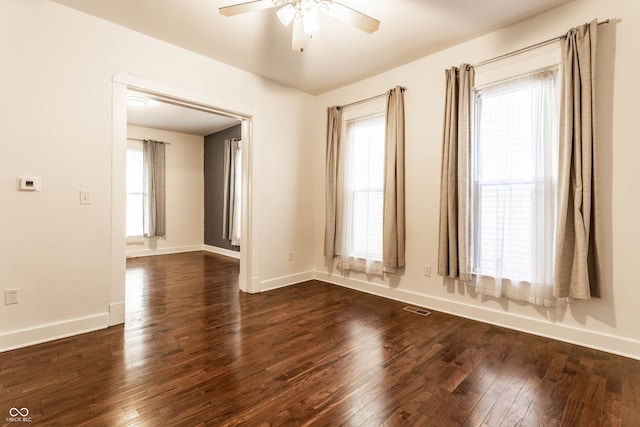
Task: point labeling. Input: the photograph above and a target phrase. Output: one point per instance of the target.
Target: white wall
(56, 123)
(609, 323)
(184, 191)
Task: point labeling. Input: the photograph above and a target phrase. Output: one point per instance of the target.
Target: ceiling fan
(303, 15)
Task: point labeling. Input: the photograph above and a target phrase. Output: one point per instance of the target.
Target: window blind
(514, 178)
(366, 164)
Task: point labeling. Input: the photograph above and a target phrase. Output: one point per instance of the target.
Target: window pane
(505, 232)
(367, 137)
(134, 215)
(513, 166)
(135, 172)
(506, 136)
(367, 224)
(365, 164)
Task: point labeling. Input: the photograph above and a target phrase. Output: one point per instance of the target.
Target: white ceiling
(337, 55)
(163, 115)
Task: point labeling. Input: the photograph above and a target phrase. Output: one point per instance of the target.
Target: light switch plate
(85, 197)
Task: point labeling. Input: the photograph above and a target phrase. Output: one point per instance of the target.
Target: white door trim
(249, 277)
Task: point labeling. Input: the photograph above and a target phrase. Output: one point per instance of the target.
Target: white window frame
(137, 238)
(528, 63)
(353, 114)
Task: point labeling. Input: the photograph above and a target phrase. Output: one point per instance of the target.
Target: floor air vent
(417, 310)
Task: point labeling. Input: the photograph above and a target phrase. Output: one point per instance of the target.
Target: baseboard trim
(221, 251)
(281, 282)
(135, 253)
(621, 346)
(52, 331)
(116, 313)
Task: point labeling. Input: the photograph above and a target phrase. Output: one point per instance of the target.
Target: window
(365, 140)
(514, 191)
(134, 189)
(362, 176)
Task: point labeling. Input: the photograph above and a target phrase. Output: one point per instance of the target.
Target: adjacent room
(319, 212)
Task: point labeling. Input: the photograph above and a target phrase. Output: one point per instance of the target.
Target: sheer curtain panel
(577, 266)
(514, 188)
(154, 216)
(454, 247)
(361, 179)
(232, 191)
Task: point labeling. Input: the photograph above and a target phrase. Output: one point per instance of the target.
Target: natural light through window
(134, 189)
(365, 140)
(514, 178)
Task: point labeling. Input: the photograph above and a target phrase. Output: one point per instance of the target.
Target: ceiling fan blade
(297, 37)
(353, 17)
(251, 6)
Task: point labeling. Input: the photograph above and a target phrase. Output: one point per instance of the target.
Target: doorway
(195, 189)
(122, 84)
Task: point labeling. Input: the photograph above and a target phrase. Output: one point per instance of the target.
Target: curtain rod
(142, 140)
(362, 101)
(527, 48)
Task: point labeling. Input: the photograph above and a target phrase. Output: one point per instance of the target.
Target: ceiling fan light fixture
(137, 101)
(324, 5)
(286, 14)
(303, 14)
(308, 6)
(309, 23)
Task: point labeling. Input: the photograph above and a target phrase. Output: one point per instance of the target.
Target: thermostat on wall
(28, 183)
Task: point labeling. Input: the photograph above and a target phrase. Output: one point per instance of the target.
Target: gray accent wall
(214, 186)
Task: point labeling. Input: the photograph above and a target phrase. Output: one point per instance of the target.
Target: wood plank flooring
(197, 352)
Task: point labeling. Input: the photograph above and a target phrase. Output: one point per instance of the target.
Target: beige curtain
(577, 267)
(334, 128)
(154, 219)
(393, 211)
(454, 246)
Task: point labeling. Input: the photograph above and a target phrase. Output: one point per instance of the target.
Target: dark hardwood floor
(196, 351)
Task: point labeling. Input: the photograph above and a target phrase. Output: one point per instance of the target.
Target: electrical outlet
(290, 256)
(11, 296)
(427, 270)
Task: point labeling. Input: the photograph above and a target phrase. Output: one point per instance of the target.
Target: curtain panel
(454, 239)
(393, 240)
(334, 129)
(393, 214)
(154, 211)
(577, 264)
